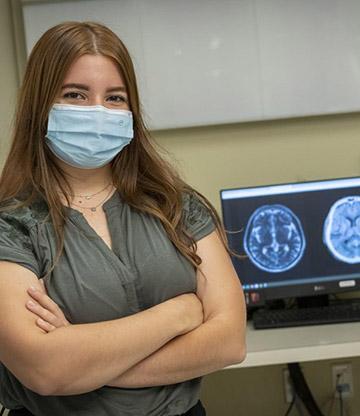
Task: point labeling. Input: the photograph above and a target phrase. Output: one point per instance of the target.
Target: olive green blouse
(93, 283)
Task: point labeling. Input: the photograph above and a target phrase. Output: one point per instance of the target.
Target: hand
(49, 313)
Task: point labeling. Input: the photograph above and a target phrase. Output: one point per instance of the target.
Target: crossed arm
(166, 355)
(217, 343)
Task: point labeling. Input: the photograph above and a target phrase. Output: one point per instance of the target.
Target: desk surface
(297, 344)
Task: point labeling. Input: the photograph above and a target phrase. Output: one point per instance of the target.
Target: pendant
(93, 209)
(88, 197)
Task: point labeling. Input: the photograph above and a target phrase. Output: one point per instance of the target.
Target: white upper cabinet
(205, 62)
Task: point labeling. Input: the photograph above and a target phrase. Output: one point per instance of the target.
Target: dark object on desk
(339, 312)
(301, 389)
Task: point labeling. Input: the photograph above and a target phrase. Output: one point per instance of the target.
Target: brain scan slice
(274, 239)
(341, 231)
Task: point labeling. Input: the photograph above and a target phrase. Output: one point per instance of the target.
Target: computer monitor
(298, 239)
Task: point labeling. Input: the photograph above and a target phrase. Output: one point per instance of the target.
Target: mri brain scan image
(274, 239)
(341, 232)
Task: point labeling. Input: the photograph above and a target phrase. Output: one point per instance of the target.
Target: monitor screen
(297, 239)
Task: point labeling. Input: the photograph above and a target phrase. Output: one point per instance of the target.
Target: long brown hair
(145, 180)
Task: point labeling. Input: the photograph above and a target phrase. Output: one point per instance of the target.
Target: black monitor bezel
(261, 296)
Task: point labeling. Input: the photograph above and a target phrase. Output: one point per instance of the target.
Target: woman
(139, 296)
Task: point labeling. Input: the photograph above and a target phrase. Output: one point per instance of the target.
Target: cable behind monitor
(302, 389)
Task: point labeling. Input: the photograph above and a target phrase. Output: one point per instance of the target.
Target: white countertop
(296, 344)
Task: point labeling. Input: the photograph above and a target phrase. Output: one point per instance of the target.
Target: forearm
(81, 358)
(210, 347)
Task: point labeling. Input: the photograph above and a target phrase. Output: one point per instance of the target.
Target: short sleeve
(15, 243)
(197, 217)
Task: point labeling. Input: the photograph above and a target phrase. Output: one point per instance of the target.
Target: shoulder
(18, 220)
(13, 212)
(194, 208)
(197, 216)
(16, 241)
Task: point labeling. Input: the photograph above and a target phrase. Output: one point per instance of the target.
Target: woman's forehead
(94, 68)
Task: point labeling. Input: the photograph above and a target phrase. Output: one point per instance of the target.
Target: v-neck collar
(80, 219)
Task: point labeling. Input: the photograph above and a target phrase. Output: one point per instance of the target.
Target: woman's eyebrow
(86, 88)
(78, 86)
(119, 88)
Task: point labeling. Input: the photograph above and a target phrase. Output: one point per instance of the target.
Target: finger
(46, 302)
(43, 313)
(45, 325)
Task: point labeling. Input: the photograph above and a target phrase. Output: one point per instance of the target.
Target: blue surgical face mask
(88, 136)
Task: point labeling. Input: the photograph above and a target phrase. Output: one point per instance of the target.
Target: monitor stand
(300, 302)
(312, 301)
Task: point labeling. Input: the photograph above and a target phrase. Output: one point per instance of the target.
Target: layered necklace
(89, 197)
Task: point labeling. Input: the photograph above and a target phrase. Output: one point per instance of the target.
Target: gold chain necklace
(93, 209)
(88, 197)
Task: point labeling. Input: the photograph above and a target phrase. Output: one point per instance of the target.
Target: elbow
(240, 355)
(42, 388)
(36, 366)
(237, 352)
(234, 349)
(39, 381)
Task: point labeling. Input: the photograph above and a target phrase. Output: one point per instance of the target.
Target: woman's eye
(73, 95)
(118, 99)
